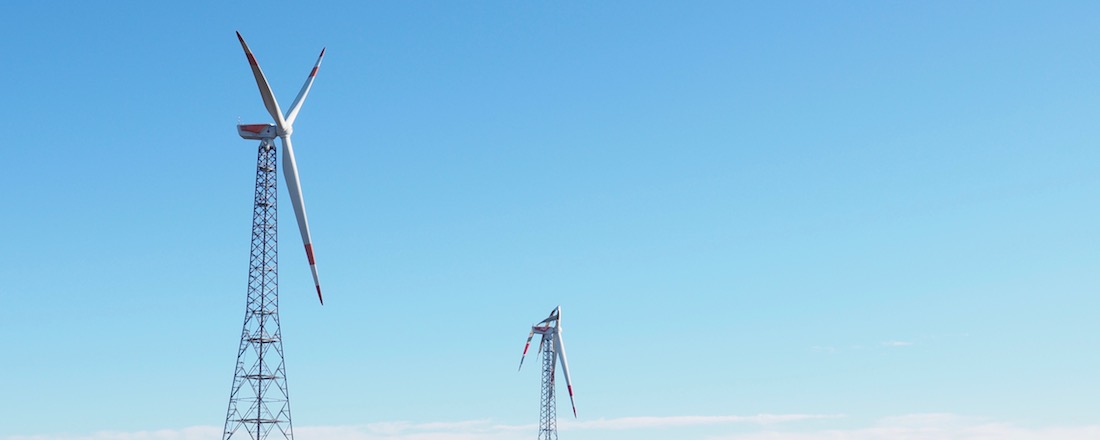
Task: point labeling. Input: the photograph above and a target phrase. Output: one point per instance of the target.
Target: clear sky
(762, 220)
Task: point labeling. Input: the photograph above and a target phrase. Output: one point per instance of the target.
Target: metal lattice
(548, 414)
(259, 402)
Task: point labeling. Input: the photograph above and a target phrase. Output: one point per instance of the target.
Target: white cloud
(832, 349)
(932, 426)
(191, 433)
(461, 430)
(487, 430)
(400, 430)
(680, 421)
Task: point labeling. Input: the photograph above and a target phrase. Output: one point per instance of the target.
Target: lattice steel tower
(548, 412)
(259, 401)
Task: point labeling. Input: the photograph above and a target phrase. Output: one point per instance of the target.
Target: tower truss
(259, 402)
(548, 414)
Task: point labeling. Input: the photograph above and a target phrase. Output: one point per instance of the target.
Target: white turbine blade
(265, 89)
(525, 347)
(305, 91)
(294, 187)
(560, 348)
(553, 316)
(553, 360)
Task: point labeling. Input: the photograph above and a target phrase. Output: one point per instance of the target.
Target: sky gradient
(788, 221)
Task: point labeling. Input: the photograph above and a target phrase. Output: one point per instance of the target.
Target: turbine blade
(553, 316)
(265, 89)
(560, 348)
(553, 361)
(305, 91)
(525, 347)
(542, 341)
(294, 187)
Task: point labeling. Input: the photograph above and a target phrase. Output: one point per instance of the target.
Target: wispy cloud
(486, 429)
(932, 426)
(461, 430)
(823, 349)
(929, 427)
(682, 421)
(833, 349)
(191, 433)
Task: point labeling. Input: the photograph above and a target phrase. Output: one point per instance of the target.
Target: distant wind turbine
(552, 349)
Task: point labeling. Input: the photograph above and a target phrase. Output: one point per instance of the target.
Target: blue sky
(787, 221)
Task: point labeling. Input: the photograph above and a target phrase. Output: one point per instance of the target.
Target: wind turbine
(259, 401)
(552, 349)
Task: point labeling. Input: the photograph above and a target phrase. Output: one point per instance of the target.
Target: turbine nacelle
(257, 131)
(542, 330)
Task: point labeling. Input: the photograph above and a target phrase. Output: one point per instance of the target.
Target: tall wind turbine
(552, 349)
(259, 402)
